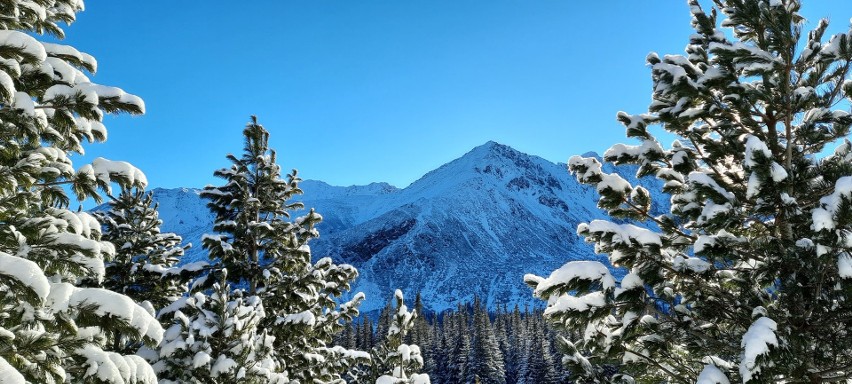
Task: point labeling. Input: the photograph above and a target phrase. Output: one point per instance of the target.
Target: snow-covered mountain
(473, 226)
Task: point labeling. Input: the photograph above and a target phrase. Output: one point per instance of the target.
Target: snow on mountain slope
(473, 226)
(343, 207)
(185, 213)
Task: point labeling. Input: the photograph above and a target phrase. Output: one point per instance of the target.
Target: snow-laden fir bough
(214, 337)
(747, 278)
(144, 265)
(55, 324)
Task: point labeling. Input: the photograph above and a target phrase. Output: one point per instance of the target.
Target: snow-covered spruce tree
(515, 353)
(346, 339)
(440, 350)
(485, 361)
(458, 345)
(215, 339)
(384, 320)
(143, 266)
(398, 362)
(269, 254)
(536, 362)
(421, 334)
(747, 279)
(52, 328)
(365, 334)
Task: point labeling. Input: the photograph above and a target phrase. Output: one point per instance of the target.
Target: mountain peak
(489, 155)
(494, 153)
(325, 189)
(495, 209)
(489, 166)
(490, 143)
(492, 147)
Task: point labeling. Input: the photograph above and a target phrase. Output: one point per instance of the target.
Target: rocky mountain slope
(473, 226)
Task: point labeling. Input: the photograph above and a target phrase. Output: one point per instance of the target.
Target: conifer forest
(723, 257)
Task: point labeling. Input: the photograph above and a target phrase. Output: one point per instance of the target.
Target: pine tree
(383, 323)
(269, 254)
(557, 372)
(485, 361)
(365, 334)
(360, 339)
(459, 349)
(515, 352)
(251, 211)
(421, 334)
(397, 361)
(52, 327)
(215, 339)
(553, 370)
(143, 266)
(438, 372)
(501, 330)
(534, 359)
(348, 337)
(746, 279)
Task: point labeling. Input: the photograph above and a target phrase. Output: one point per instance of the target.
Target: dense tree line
(471, 344)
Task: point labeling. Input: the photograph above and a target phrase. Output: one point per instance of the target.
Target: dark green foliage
(485, 360)
(53, 326)
(251, 209)
(143, 266)
(458, 331)
(746, 279)
(214, 338)
(265, 251)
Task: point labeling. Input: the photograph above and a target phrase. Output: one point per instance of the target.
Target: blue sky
(361, 91)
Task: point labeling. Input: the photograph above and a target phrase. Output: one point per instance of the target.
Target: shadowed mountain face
(473, 226)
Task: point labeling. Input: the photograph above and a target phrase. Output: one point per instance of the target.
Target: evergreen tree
(746, 279)
(552, 371)
(421, 334)
(459, 349)
(532, 362)
(455, 334)
(270, 255)
(143, 266)
(556, 370)
(361, 339)
(516, 351)
(251, 210)
(438, 372)
(215, 339)
(53, 328)
(397, 361)
(383, 323)
(365, 335)
(419, 307)
(485, 361)
(501, 331)
(348, 338)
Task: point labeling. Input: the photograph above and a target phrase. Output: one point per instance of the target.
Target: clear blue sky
(361, 91)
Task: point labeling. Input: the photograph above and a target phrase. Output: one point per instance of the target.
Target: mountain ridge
(472, 226)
